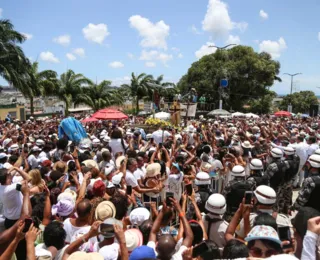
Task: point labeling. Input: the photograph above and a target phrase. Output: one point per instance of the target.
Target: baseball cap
(116, 179)
(142, 252)
(263, 232)
(3, 155)
(177, 166)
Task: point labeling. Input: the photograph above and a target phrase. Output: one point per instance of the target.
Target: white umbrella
(237, 114)
(250, 115)
(162, 115)
(218, 112)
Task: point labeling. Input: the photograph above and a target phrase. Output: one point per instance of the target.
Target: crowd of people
(214, 189)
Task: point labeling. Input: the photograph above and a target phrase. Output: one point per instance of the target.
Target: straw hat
(105, 210)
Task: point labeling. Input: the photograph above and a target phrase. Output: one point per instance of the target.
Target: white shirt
(309, 246)
(33, 161)
(116, 146)
(138, 174)
(312, 148)
(301, 151)
(157, 136)
(11, 200)
(217, 230)
(71, 229)
(176, 256)
(107, 167)
(175, 185)
(131, 180)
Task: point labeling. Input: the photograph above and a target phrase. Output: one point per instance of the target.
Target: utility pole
(291, 75)
(220, 87)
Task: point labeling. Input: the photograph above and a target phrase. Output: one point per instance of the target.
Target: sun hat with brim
(153, 170)
(68, 194)
(109, 221)
(314, 160)
(205, 166)
(246, 144)
(263, 232)
(138, 215)
(63, 208)
(91, 164)
(177, 166)
(119, 160)
(142, 252)
(35, 149)
(133, 238)
(202, 178)
(110, 252)
(105, 210)
(85, 256)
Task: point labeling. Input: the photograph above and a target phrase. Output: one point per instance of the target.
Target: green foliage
(300, 101)
(250, 74)
(262, 105)
(99, 96)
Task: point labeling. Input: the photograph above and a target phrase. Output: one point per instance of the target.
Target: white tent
(250, 115)
(162, 115)
(237, 114)
(219, 112)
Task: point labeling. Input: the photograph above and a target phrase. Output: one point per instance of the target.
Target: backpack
(236, 194)
(279, 177)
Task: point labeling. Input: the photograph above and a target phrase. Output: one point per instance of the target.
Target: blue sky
(108, 39)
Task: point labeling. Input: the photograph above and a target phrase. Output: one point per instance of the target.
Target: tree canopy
(300, 101)
(250, 75)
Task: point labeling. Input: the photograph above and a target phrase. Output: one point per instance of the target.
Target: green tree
(14, 65)
(300, 101)
(40, 83)
(262, 105)
(70, 86)
(250, 74)
(99, 96)
(165, 89)
(139, 87)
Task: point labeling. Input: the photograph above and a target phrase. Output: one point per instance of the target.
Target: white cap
(276, 153)
(106, 138)
(40, 142)
(317, 152)
(178, 136)
(6, 142)
(202, 178)
(314, 160)
(149, 136)
(96, 141)
(265, 195)
(3, 155)
(256, 164)
(92, 137)
(216, 204)
(14, 147)
(238, 171)
(138, 215)
(116, 179)
(289, 150)
(36, 149)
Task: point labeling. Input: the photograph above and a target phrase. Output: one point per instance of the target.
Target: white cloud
(195, 30)
(263, 15)
(48, 56)
(80, 52)
(153, 35)
(218, 22)
(180, 56)
(205, 50)
(27, 35)
(274, 48)
(120, 81)
(233, 39)
(1, 11)
(96, 32)
(175, 49)
(319, 36)
(150, 64)
(155, 55)
(116, 64)
(130, 55)
(70, 56)
(63, 40)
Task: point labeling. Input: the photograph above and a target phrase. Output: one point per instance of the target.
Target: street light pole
(291, 75)
(220, 88)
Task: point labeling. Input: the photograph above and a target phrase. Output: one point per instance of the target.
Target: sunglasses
(258, 252)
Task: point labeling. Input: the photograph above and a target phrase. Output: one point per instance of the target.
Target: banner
(191, 109)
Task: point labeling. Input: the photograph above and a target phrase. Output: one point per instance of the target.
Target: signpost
(223, 84)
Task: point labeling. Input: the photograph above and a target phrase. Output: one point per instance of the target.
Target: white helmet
(238, 171)
(216, 204)
(289, 150)
(265, 195)
(276, 153)
(317, 152)
(314, 160)
(256, 164)
(202, 178)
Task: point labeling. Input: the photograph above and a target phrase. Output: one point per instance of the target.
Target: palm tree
(13, 63)
(165, 89)
(139, 87)
(40, 83)
(69, 87)
(98, 96)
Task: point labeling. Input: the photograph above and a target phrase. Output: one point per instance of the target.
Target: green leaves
(300, 101)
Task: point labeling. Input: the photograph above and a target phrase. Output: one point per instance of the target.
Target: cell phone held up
(285, 235)
(188, 188)
(129, 190)
(27, 224)
(168, 196)
(248, 197)
(199, 249)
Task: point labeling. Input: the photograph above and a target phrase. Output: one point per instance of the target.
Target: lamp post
(291, 75)
(220, 87)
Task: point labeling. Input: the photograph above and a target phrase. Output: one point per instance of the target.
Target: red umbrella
(109, 114)
(282, 113)
(89, 119)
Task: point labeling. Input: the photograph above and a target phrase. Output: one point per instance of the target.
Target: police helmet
(216, 204)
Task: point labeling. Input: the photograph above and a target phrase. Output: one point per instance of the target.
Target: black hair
(197, 232)
(268, 244)
(131, 153)
(72, 166)
(62, 143)
(300, 222)
(300, 138)
(54, 235)
(37, 203)
(116, 134)
(3, 176)
(142, 154)
(3, 160)
(266, 220)
(121, 204)
(145, 229)
(235, 249)
(206, 149)
(312, 139)
(12, 159)
(213, 251)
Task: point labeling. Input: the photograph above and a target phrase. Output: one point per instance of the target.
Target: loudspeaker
(314, 110)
